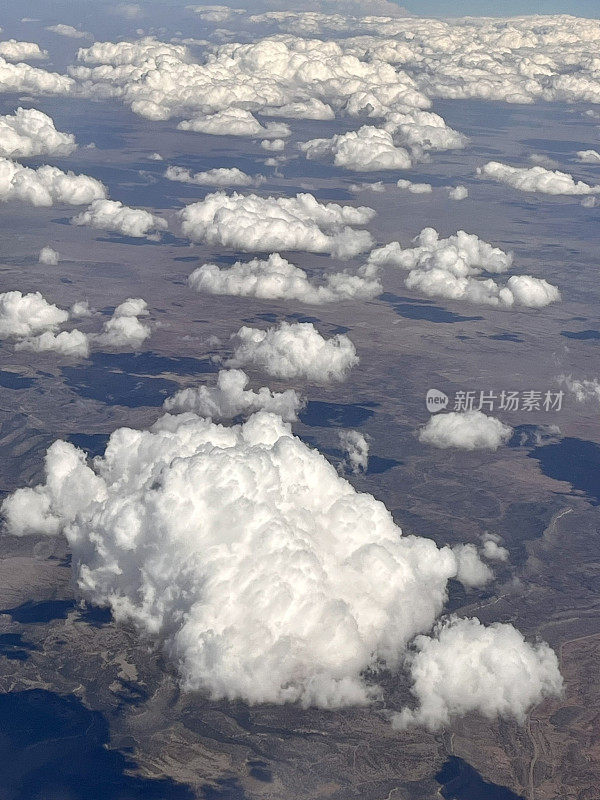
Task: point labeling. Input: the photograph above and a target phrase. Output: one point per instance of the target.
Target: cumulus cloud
(469, 430)
(231, 398)
(450, 268)
(356, 449)
(24, 78)
(472, 572)
(252, 223)
(11, 50)
(535, 179)
(492, 548)
(112, 215)
(266, 576)
(215, 13)
(234, 122)
(68, 30)
(73, 343)
(276, 278)
(273, 145)
(48, 256)
(415, 188)
(365, 150)
(23, 315)
(29, 132)
(222, 176)
(588, 156)
(467, 667)
(294, 350)
(458, 193)
(46, 185)
(124, 329)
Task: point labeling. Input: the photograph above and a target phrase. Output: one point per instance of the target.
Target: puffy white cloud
(356, 447)
(112, 215)
(124, 329)
(365, 150)
(492, 548)
(415, 188)
(46, 185)
(535, 179)
(231, 398)
(472, 572)
(48, 256)
(68, 30)
(24, 315)
(588, 156)
(466, 667)
(24, 78)
(234, 122)
(11, 50)
(276, 278)
(448, 268)
(264, 573)
(468, 430)
(252, 223)
(222, 176)
(584, 390)
(29, 132)
(294, 350)
(273, 145)
(67, 343)
(458, 193)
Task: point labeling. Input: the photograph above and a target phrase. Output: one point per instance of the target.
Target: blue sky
(457, 8)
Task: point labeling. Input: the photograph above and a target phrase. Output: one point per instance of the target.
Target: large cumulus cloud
(265, 575)
(275, 278)
(294, 350)
(252, 223)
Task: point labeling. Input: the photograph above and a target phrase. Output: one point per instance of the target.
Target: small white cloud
(46, 185)
(472, 572)
(466, 667)
(231, 398)
(73, 343)
(12, 50)
(469, 430)
(69, 31)
(234, 122)
(276, 278)
(492, 548)
(273, 145)
(112, 215)
(366, 150)
(214, 177)
(124, 329)
(24, 315)
(29, 132)
(458, 193)
(49, 256)
(356, 449)
(415, 188)
(584, 390)
(294, 350)
(588, 156)
(535, 179)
